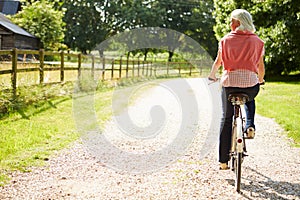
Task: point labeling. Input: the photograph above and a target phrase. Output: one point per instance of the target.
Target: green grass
(281, 101)
(31, 134)
(39, 122)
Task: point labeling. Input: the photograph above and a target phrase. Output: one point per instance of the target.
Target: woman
(241, 55)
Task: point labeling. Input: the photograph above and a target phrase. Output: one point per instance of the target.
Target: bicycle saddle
(238, 98)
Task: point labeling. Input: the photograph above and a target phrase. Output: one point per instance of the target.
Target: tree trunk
(171, 53)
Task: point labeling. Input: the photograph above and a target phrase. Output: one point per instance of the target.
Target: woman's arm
(215, 66)
(261, 70)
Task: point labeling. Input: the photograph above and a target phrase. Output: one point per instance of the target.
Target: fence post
(41, 69)
(147, 68)
(154, 68)
(79, 66)
(143, 68)
(62, 66)
(138, 67)
(14, 71)
(112, 69)
(103, 69)
(93, 67)
(127, 66)
(120, 70)
(132, 68)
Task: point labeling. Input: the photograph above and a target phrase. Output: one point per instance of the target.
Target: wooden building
(13, 36)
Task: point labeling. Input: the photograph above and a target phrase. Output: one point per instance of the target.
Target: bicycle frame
(237, 131)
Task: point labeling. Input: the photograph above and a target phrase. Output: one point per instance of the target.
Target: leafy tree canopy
(42, 20)
(277, 23)
(89, 22)
(85, 24)
(193, 18)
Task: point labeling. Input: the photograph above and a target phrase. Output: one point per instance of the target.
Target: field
(281, 100)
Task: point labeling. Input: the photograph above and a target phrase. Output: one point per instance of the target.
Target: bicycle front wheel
(238, 171)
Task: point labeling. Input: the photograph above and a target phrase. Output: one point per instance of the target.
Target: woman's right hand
(212, 77)
(262, 82)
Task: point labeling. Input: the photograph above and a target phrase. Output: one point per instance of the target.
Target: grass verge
(33, 131)
(281, 100)
(39, 122)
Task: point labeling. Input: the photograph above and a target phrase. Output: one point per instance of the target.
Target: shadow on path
(263, 187)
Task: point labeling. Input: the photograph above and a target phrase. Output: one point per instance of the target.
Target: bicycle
(238, 145)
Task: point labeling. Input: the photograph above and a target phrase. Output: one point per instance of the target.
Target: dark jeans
(226, 122)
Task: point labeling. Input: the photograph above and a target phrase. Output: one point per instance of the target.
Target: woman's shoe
(250, 133)
(223, 166)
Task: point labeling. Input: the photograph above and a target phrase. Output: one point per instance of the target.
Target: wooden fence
(104, 68)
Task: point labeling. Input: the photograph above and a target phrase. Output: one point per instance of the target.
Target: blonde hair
(245, 19)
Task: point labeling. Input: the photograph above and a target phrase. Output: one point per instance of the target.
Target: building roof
(10, 7)
(13, 27)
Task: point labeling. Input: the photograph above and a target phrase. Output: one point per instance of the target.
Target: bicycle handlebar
(212, 80)
(262, 83)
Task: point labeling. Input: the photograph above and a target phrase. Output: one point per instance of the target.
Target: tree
(200, 27)
(277, 23)
(40, 19)
(192, 18)
(281, 34)
(176, 16)
(89, 22)
(85, 25)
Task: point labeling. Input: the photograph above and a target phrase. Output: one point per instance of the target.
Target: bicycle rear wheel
(238, 171)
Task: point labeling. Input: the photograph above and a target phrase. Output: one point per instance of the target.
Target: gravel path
(271, 171)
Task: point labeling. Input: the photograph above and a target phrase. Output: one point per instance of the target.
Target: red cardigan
(241, 50)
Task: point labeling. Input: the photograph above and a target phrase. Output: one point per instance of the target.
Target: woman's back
(241, 50)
